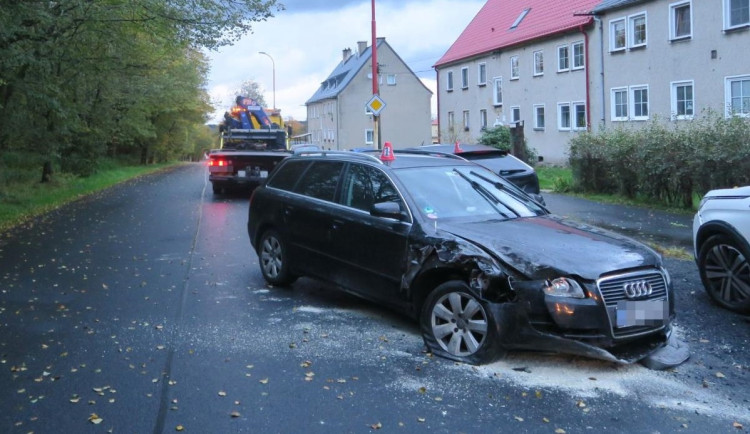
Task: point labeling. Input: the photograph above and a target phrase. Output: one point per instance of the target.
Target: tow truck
(250, 145)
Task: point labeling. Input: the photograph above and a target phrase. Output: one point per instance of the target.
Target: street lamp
(273, 65)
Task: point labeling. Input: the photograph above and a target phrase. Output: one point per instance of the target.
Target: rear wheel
(458, 325)
(725, 272)
(274, 263)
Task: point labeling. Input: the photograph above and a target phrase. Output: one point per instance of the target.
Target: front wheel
(273, 259)
(457, 325)
(725, 272)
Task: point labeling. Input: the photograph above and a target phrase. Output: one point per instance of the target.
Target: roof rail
(355, 155)
(432, 153)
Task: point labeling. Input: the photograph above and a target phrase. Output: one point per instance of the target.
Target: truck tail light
(219, 163)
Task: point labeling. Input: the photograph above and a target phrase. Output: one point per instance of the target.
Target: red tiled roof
(490, 29)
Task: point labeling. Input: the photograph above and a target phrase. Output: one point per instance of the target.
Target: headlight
(562, 287)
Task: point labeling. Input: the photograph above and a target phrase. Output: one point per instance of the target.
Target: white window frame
(537, 124)
(369, 136)
(631, 30)
(451, 121)
(560, 107)
(575, 66)
(465, 77)
(390, 79)
(613, 47)
(631, 96)
(515, 110)
(673, 8)
(673, 97)
(574, 106)
(482, 119)
(515, 73)
(613, 104)
(728, 95)
(449, 81)
(538, 63)
(482, 74)
(561, 57)
(497, 85)
(728, 17)
(467, 118)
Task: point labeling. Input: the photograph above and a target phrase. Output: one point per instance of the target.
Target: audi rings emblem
(637, 289)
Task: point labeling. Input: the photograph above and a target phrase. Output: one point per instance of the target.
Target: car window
(365, 185)
(321, 180)
(286, 177)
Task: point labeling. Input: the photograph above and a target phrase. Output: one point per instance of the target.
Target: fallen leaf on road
(222, 393)
(235, 414)
(95, 419)
(520, 419)
(737, 425)
(376, 426)
(720, 375)
(264, 381)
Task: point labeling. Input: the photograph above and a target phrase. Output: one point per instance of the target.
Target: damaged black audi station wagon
(480, 265)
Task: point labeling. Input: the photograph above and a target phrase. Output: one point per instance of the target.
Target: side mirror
(390, 210)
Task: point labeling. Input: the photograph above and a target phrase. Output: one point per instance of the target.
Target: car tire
(273, 259)
(458, 325)
(725, 272)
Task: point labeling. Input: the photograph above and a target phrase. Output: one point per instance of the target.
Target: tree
(251, 89)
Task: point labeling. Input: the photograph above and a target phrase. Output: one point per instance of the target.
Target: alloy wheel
(459, 323)
(728, 274)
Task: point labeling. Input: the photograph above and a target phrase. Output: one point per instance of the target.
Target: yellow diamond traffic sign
(376, 105)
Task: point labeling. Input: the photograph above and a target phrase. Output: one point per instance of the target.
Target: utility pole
(273, 67)
(375, 91)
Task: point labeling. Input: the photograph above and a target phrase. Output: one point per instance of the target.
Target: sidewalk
(660, 227)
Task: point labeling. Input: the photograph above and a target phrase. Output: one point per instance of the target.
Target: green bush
(500, 137)
(669, 162)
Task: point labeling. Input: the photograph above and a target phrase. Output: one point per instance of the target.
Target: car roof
(467, 149)
(402, 158)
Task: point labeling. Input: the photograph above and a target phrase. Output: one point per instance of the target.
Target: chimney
(347, 53)
(361, 47)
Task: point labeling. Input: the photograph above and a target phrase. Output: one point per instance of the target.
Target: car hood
(548, 247)
(730, 192)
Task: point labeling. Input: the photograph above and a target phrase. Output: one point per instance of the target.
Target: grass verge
(20, 201)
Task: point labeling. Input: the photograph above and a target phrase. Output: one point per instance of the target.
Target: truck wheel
(457, 324)
(273, 259)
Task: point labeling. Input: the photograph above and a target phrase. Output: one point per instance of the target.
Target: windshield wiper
(482, 190)
(500, 186)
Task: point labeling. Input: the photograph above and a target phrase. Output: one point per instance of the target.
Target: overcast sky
(306, 41)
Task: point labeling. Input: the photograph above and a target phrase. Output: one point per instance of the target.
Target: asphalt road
(141, 309)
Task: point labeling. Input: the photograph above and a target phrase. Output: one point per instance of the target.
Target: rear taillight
(219, 163)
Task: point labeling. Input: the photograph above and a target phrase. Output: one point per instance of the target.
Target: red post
(374, 54)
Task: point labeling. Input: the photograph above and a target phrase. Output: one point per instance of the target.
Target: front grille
(612, 291)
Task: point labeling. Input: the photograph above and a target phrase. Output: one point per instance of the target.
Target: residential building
(564, 67)
(673, 59)
(338, 116)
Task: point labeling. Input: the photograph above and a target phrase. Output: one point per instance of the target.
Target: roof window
(520, 18)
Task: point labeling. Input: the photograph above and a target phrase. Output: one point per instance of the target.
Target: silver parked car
(721, 239)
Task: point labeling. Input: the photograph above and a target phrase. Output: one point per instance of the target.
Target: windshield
(466, 191)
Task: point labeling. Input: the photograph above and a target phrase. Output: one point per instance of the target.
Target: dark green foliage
(669, 162)
(500, 137)
(81, 80)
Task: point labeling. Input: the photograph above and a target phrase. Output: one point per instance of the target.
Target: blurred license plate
(241, 173)
(264, 174)
(642, 313)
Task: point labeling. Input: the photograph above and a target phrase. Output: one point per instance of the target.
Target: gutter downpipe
(588, 87)
(437, 92)
(598, 20)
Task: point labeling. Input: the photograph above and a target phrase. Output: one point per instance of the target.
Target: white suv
(721, 240)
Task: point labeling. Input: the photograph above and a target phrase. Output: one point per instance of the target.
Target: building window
(617, 35)
(637, 28)
(682, 100)
(539, 117)
(620, 104)
(538, 63)
(520, 18)
(369, 137)
(738, 96)
(563, 58)
(483, 119)
(680, 20)
(563, 116)
(736, 13)
(639, 98)
(514, 73)
(449, 81)
(497, 98)
(482, 74)
(451, 121)
(515, 114)
(390, 79)
(466, 120)
(579, 113)
(464, 78)
(579, 58)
